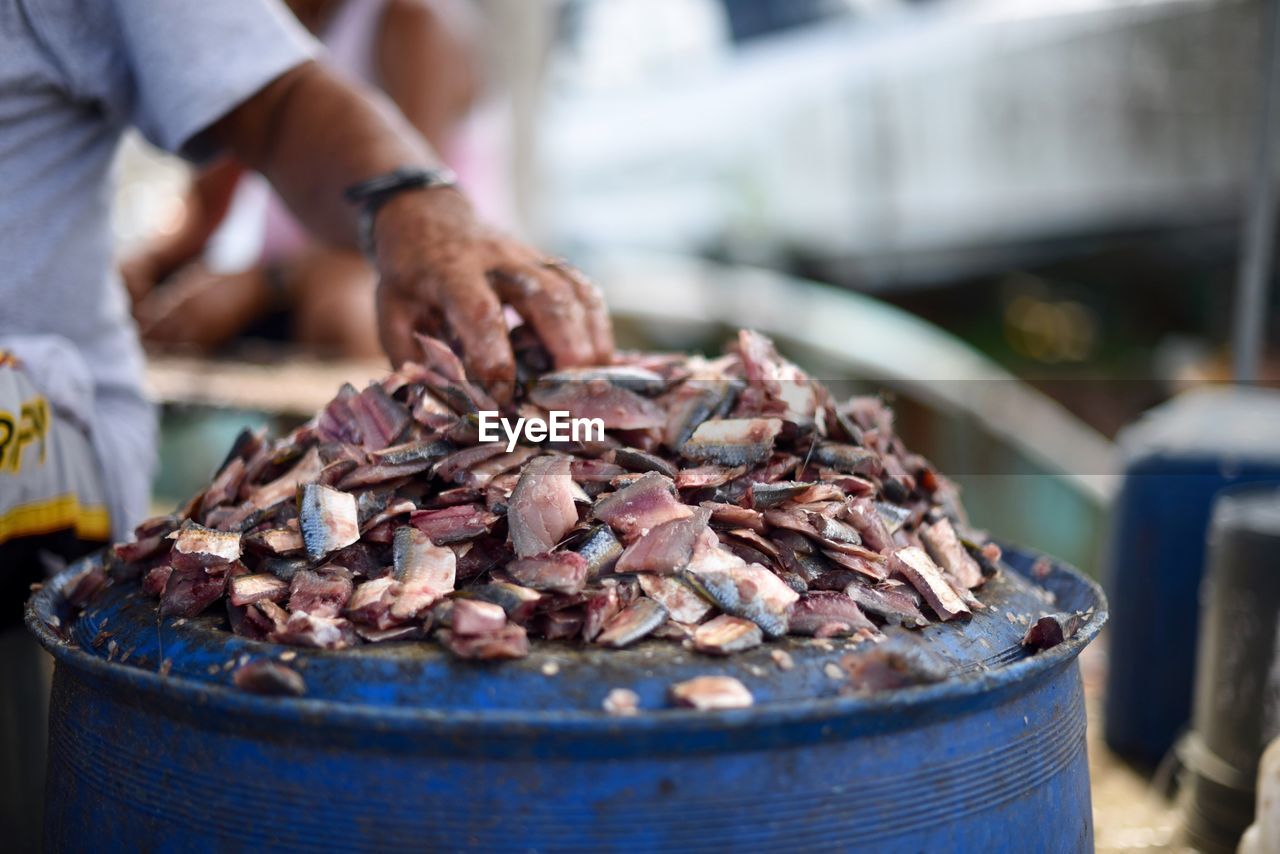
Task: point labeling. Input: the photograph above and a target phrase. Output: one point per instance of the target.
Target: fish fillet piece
(474, 617)
(327, 518)
(725, 635)
(924, 575)
(187, 592)
(542, 510)
(826, 613)
(682, 602)
(371, 602)
(641, 506)
(733, 441)
(323, 593)
(197, 547)
(311, 630)
(667, 547)
(511, 641)
(556, 572)
(711, 693)
(632, 623)
(425, 571)
(453, 524)
(942, 544)
(247, 589)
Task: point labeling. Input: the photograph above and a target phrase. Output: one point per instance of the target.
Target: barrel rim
(498, 723)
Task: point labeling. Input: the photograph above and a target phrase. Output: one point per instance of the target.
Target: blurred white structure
(904, 143)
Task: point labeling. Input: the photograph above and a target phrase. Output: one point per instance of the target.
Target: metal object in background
(1260, 214)
(403, 747)
(1237, 692)
(1177, 458)
(910, 147)
(1263, 836)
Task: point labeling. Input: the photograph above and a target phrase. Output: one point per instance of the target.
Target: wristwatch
(373, 193)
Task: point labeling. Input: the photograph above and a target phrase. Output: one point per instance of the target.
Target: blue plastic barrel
(401, 747)
(1176, 460)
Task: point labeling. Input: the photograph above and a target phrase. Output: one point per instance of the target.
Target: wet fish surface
(730, 503)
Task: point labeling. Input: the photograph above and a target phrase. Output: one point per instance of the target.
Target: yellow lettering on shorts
(30, 424)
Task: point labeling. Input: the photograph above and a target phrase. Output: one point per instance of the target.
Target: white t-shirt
(73, 75)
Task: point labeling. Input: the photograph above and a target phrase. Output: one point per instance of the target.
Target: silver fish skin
(601, 550)
(733, 441)
(762, 496)
(749, 591)
(328, 519)
(629, 377)
(517, 601)
(427, 572)
(850, 459)
(694, 402)
(632, 623)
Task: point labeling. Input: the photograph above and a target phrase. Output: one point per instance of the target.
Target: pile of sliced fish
(730, 502)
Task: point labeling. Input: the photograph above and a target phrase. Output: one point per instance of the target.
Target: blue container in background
(399, 746)
(1175, 461)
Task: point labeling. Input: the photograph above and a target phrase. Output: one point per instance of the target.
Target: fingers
(550, 304)
(599, 326)
(397, 321)
(474, 315)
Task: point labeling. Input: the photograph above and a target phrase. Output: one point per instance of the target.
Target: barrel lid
(120, 638)
(1220, 421)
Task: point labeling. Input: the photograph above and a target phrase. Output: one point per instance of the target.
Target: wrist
(423, 216)
(373, 194)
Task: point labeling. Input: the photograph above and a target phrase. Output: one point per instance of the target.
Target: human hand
(200, 310)
(140, 276)
(444, 273)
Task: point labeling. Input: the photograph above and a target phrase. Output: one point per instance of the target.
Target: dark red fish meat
(557, 572)
(668, 547)
(187, 592)
(323, 594)
(635, 509)
(510, 641)
(453, 524)
(827, 614)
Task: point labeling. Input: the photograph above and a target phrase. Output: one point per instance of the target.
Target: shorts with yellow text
(52, 505)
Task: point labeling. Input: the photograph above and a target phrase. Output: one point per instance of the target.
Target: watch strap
(372, 193)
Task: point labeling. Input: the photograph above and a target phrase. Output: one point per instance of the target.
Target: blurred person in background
(77, 434)
(241, 261)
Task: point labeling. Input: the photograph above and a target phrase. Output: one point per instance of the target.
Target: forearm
(439, 269)
(313, 135)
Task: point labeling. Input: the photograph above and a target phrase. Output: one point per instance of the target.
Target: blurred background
(1053, 188)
